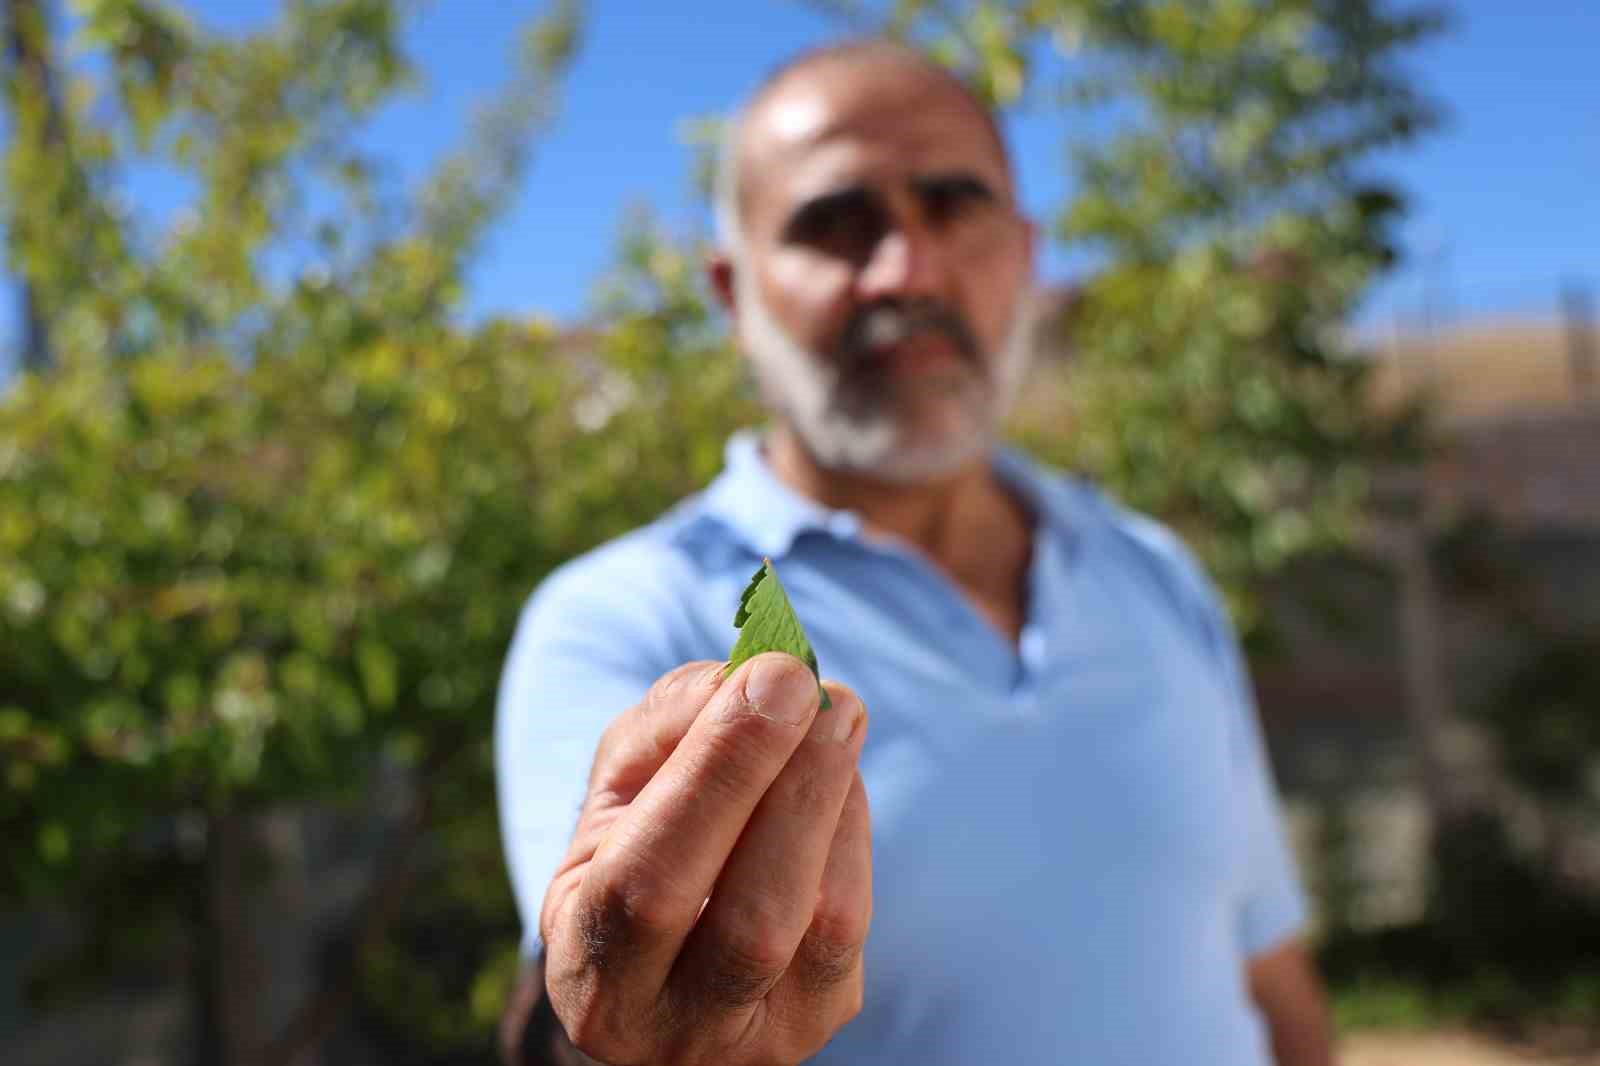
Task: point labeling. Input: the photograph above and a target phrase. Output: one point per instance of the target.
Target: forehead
(861, 124)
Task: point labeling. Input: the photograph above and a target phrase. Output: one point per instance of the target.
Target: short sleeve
(1271, 900)
(1272, 904)
(586, 648)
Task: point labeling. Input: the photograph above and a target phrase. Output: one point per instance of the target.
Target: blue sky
(1505, 198)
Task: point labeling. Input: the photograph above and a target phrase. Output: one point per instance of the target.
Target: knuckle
(763, 952)
(840, 924)
(630, 907)
(740, 759)
(593, 991)
(743, 968)
(594, 1033)
(828, 957)
(670, 684)
(608, 1026)
(555, 903)
(666, 684)
(809, 787)
(733, 992)
(578, 999)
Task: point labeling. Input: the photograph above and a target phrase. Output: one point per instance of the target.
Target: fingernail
(838, 722)
(780, 689)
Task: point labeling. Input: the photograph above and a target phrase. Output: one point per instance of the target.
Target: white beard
(870, 434)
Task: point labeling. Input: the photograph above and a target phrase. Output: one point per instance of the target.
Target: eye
(846, 224)
(949, 198)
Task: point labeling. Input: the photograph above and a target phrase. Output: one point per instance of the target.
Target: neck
(961, 521)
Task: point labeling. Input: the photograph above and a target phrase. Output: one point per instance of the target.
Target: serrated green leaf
(766, 622)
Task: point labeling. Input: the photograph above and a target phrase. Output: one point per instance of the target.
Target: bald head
(883, 59)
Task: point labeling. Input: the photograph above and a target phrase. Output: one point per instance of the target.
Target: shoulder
(631, 576)
(643, 586)
(1129, 548)
(1137, 546)
(1170, 560)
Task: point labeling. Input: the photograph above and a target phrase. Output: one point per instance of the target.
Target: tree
(263, 531)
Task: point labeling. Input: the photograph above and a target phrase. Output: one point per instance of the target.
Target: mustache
(890, 322)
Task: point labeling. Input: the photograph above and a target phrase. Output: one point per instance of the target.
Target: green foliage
(1220, 158)
(244, 118)
(255, 533)
(235, 586)
(1412, 977)
(1366, 1003)
(266, 526)
(766, 622)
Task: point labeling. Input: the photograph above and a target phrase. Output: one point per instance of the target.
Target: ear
(719, 271)
(1030, 238)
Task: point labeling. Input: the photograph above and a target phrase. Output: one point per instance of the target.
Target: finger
(826, 978)
(640, 739)
(764, 899)
(630, 751)
(655, 867)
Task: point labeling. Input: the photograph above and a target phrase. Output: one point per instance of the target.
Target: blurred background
(330, 326)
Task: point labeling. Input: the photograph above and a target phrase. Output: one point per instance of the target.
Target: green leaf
(766, 622)
(379, 673)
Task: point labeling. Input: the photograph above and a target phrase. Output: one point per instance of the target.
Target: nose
(906, 262)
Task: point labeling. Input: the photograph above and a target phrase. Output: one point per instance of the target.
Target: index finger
(641, 738)
(630, 751)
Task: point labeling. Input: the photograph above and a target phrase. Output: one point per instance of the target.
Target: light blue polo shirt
(1076, 843)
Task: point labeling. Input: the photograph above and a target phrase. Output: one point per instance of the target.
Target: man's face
(881, 288)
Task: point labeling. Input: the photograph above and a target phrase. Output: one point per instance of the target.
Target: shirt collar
(769, 516)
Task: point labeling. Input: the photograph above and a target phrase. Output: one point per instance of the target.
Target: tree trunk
(245, 973)
(1457, 782)
(316, 1018)
(231, 997)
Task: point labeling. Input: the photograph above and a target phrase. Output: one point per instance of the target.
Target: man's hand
(736, 796)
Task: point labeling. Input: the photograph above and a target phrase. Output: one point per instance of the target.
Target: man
(1059, 843)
